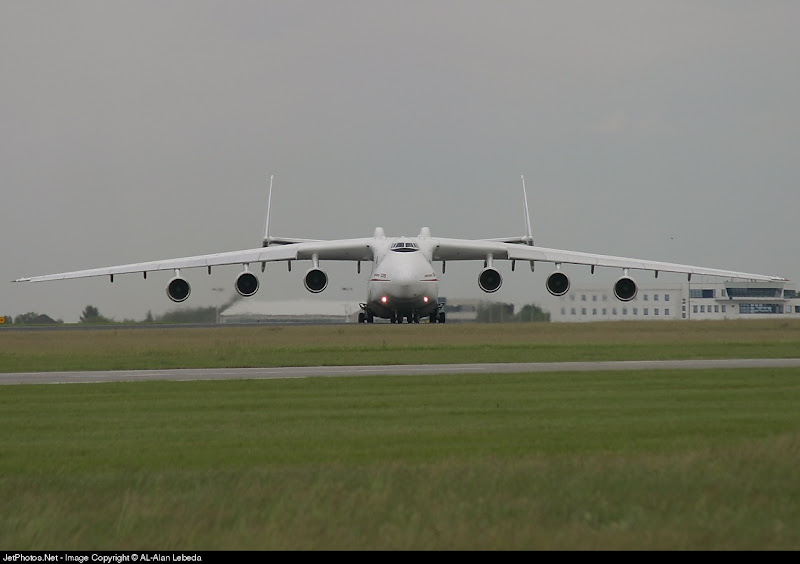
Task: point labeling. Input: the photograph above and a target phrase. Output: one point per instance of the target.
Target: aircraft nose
(405, 286)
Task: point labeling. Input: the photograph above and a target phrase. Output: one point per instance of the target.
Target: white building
(695, 300)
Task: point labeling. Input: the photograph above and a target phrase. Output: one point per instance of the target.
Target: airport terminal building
(689, 300)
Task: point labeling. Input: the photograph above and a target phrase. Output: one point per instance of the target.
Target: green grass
(653, 460)
(261, 346)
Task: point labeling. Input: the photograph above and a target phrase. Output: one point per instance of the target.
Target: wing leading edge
(468, 249)
(343, 249)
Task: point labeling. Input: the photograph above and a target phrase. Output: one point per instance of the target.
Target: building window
(655, 297)
(694, 309)
(645, 311)
(666, 311)
(572, 311)
(655, 311)
(563, 311)
(624, 311)
(635, 311)
(583, 297)
(594, 311)
(583, 311)
(760, 308)
(605, 311)
(594, 298)
(716, 309)
(666, 297)
(702, 309)
(644, 297)
(754, 292)
(613, 311)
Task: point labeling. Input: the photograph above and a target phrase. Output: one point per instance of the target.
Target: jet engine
(558, 283)
(178, 289)
(489, 280)
(315, 280)
(246, 284)
(625, 289)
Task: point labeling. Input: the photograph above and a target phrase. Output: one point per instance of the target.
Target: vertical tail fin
(529, 233)
(266, 223)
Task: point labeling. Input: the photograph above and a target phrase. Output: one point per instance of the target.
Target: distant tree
(92, 315)
(530, 313)
(148, 318)
(27, 317)
(495, 312)
(192, 315)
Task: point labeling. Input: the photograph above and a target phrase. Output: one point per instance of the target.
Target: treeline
(92, 315)
(488, 312)
(497, 312)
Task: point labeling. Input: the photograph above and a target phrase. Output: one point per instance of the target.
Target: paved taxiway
(392, 370)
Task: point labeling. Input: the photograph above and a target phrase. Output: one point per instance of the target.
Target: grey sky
(140, 130)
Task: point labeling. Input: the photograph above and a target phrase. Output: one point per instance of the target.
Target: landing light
(384, 299)
(425, 299)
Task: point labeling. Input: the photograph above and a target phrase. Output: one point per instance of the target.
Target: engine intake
(625, 289)
(489, 280)
(315, 280)
(178, 289)
(246, 284)
(558, 283)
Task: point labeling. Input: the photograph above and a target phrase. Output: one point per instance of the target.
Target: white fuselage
(403, 280)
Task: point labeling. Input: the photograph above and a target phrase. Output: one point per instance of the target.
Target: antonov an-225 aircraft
(403, 283)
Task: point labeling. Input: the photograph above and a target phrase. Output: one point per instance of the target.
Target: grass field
(674, 460)
(284, 345)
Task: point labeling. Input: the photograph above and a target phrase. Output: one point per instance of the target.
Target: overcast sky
(141, 130)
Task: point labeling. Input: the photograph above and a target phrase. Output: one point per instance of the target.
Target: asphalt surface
(392, 370)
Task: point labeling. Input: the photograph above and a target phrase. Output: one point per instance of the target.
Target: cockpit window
(404, 247)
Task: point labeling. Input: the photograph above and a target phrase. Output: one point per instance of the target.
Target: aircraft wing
(468, 249)
(342, 249)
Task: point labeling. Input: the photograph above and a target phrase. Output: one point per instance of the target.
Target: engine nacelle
(246, 284)
(557, 283)
(178, 289)
(489, 280)
(625, 289)
(315, 280)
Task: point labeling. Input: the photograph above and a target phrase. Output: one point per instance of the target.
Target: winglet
(269, 203)
(529, 234)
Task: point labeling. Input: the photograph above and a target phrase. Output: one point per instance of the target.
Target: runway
(193, 374)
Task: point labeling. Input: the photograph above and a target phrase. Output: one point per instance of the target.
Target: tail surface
(269, 205)
(529, 232)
